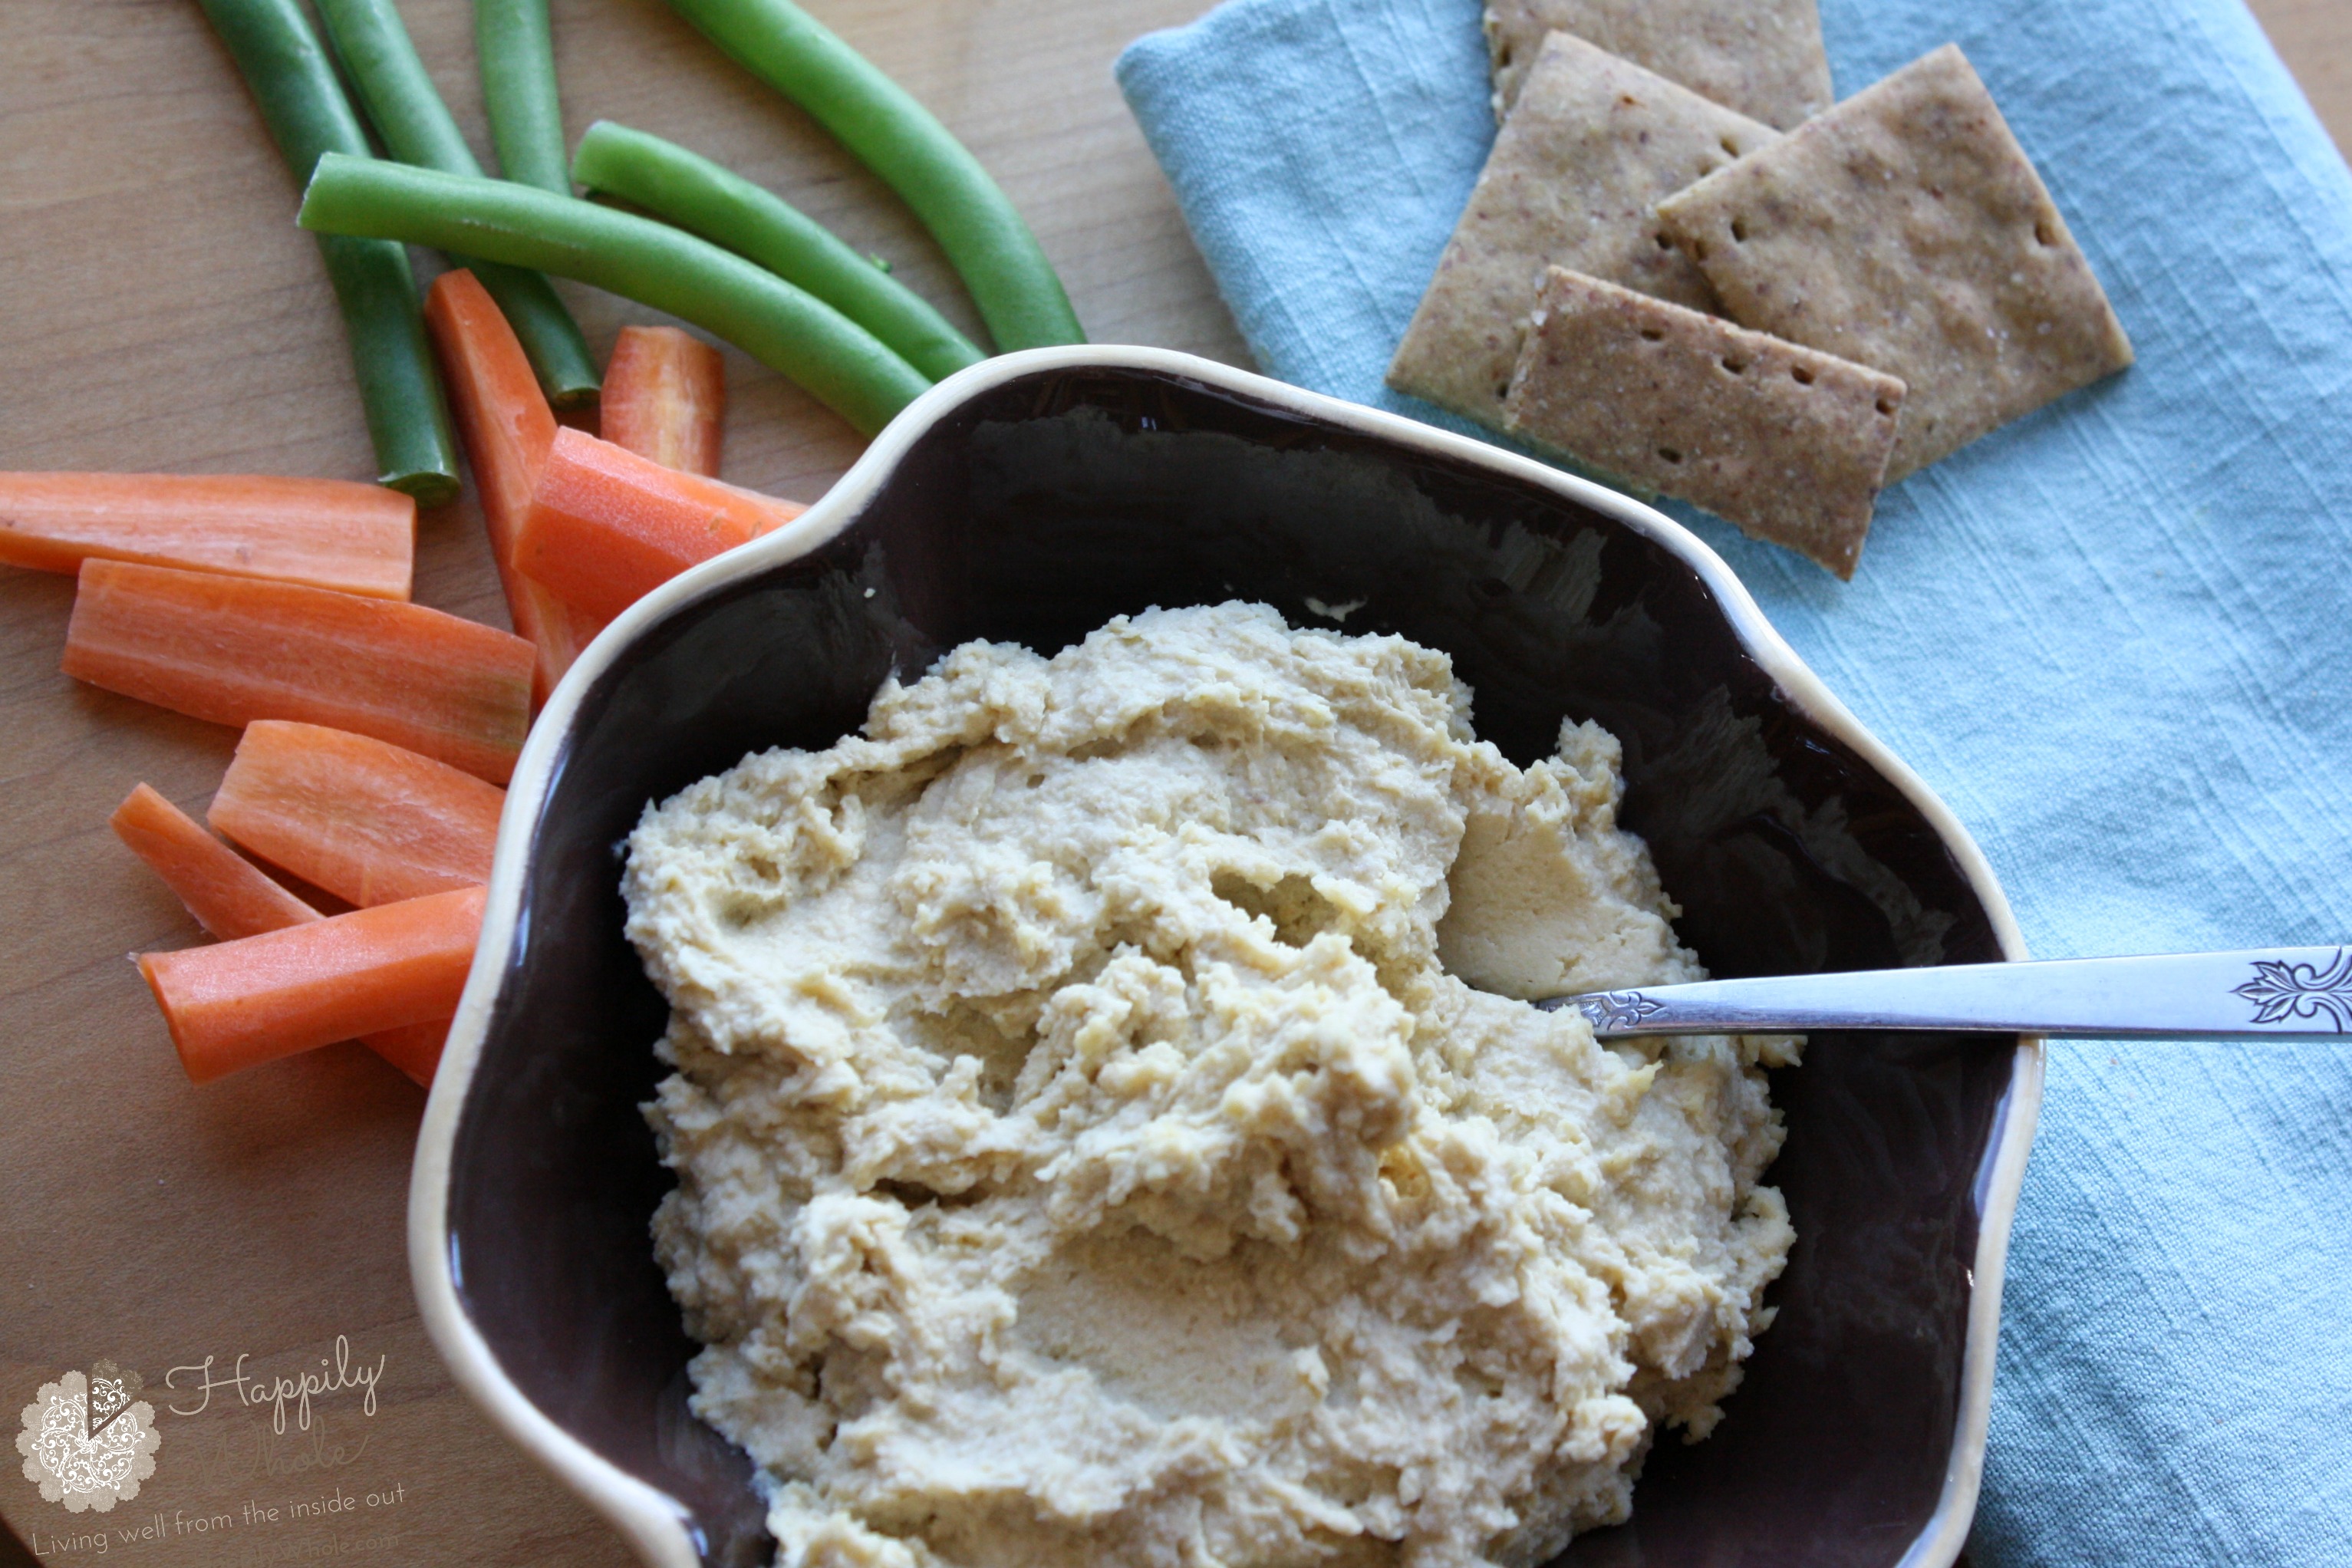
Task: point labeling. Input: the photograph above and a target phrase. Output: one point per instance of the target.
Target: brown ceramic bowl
(1030, 499)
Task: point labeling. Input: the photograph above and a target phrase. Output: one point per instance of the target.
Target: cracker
(1786, 441)
(1572, 181)
(1762, 58)
(1905, 229)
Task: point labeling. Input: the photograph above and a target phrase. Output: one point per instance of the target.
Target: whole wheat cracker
(1572, 181)
(1905, 229)
(1762, 58)
(1785, 441)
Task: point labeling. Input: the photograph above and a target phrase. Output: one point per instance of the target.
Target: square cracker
(1786, 441)
(1762, 58)
(1571, 181)
(1907, 231)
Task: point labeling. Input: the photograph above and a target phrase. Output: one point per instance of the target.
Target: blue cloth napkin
(2115, 636)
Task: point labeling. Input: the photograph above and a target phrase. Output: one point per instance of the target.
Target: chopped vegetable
(228, 894)
(517, 59)
(295, 86)
(504, 420)
(727, 209)
(328, 534)
(607, 527)
(369, 822)
(665, 398)
(407, 111)
(507, 429)
(414, 1048)
(408, 423)
(840, 362)
(878, 121)
(231, 897)
(239, 1004)
(235, 649)
(373, 46)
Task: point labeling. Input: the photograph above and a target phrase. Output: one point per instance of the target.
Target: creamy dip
(1105, 1134)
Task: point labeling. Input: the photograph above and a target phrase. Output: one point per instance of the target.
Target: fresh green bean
(401, 101)
(400, 392)
(303, 105)
(416, 127)
(844, 366)
(517, 54)
(727, 209)
(878, 121)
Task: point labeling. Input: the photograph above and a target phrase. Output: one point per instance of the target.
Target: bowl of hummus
(1001, 1031)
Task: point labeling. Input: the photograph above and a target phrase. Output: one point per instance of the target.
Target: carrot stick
(368, 822)
(501, 413)
(606, 527)
(504, 421)
(665, 398)
(234, 649)
(239, 1004)
(328, 534)
(228, 894)
(414, 1048)
(231, 897)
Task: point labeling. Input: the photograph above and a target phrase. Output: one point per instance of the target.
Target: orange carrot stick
(234, 649)
(239, 1004)
(414, 1048)
(327, 533)
(504, 421)
(232, 898)
(665, 398)
(229, 895)
(606, 526)
(368, 821)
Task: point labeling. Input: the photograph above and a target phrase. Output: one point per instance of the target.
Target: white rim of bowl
(651, 1520)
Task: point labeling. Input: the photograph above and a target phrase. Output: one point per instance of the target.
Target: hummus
(1104, 1133)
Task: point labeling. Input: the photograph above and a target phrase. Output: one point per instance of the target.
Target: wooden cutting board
(160, 312)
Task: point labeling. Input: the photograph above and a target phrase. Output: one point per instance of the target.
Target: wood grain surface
(159, 311)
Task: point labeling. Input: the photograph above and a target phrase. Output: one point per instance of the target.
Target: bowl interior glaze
(1034, 512)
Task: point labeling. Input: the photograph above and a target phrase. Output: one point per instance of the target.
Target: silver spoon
(2274, 992)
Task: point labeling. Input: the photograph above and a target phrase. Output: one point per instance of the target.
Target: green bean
(416, 127)
(400, 392)
(517, 55)
(878, 121)
(846, 367)
(727, 209)
(303, 105)
(401, 101)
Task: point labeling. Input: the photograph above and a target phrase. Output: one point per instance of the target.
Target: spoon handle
(2281, 992)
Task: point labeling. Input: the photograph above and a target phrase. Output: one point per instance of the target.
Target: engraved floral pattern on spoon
(1617, 1009)
(2281, 991)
